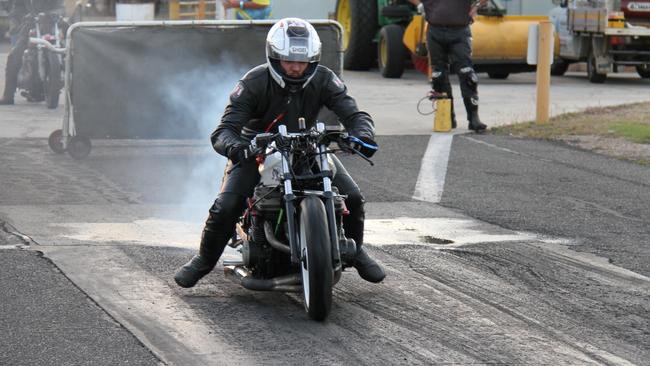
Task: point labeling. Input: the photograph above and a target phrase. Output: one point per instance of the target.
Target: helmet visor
(297, 50)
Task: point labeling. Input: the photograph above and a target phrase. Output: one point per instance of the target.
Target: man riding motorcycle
(290, 85)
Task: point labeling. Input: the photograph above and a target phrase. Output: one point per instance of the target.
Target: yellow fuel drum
(442, 118)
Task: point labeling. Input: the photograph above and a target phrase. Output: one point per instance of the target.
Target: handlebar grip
(262, 139)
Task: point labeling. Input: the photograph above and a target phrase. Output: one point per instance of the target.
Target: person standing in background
(449, 41)
(21, 25)
(250, 9)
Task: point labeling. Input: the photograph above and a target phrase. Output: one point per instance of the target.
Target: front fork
(328, 198)
(289, 199)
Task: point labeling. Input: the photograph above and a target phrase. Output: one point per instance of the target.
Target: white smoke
(202, 104)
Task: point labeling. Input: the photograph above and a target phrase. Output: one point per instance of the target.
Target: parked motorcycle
(291, 236)
(41, 76)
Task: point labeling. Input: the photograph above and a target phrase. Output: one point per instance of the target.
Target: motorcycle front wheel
(316, 258)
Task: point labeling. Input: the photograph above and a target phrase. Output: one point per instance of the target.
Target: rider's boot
(475, 123)
(368, 269)
(201, 264)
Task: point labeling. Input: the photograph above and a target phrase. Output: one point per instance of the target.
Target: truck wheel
(643, 71)
(359, 21)
(559, 67)
(391, 51)
(498, 75)
(592, 72)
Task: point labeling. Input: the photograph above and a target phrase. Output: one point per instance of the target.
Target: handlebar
(46, 44)
(331, 134)
(261, 141)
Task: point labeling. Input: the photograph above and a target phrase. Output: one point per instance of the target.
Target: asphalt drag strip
(509, 303)
(509, 287)
(487, 295)
(47, 320)
(555, 190)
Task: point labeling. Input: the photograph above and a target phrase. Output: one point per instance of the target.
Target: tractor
(371, 26)
(391, 34)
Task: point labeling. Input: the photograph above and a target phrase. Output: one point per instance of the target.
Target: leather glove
(364, 145)
(240, 154)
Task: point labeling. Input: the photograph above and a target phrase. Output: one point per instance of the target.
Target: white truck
(606, 34)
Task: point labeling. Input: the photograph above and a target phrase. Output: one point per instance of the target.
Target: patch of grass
(631, 122)
(636, 132)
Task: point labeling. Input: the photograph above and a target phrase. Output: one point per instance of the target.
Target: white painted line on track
(431, 179)
(494, 146)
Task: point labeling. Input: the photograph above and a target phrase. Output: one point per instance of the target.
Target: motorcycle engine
(253, 252)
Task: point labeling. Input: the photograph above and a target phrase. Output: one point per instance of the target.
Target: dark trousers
(15, 62)
(450, 49)
(240, 184)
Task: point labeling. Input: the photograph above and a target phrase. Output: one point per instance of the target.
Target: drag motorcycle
(291, 236)
(41, 76)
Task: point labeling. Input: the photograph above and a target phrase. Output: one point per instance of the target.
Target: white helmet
(292, 39)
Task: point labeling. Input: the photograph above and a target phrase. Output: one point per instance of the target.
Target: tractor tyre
(391, 51)
(360, 24)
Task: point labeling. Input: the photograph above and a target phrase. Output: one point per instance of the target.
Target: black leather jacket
(258, 100)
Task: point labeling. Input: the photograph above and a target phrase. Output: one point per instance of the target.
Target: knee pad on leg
(440, 80)
(468, 77)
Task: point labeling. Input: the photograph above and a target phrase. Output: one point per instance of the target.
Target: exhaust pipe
(241, 276)
(275, 243)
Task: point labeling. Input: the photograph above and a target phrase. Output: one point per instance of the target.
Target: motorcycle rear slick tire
(316, 258)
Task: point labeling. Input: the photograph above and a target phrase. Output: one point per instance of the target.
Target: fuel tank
(495, 38)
